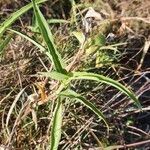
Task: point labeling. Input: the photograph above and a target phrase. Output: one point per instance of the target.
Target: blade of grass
(14, 16)
(48, 38)
(80, 36)
(74, 13)
(51, 21)
(13, 105)
(109, 81)
(54, 75)
(42, 48)
(73, 95)
(5, 43)
(56, 126)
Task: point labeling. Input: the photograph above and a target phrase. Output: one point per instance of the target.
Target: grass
(28, 111)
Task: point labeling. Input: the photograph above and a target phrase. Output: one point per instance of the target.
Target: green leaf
(109, 81)
(51, 21)
(73, 12)
(42, 48)
(56, 126)
(73, 95)
(5, 43)
(95, 44)
(14, 16)
(100, 40)
(80, 36)
(90, 50)
(55, 75)
(48, 38)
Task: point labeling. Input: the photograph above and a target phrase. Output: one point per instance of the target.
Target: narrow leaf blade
(14, 16)
(80, 36)
(53, 21)
(48, 38)
(5, 43)
(42, 49)
(72, 94)
(109, 81)
(55, 75)
(56, 126)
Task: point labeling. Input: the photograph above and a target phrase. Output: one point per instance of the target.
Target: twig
(127, 145)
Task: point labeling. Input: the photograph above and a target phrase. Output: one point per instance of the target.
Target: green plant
(14, 16)
(65, 77)
(8, 22)
(4, 44)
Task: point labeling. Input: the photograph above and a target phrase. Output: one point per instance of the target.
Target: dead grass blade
(13, 105)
